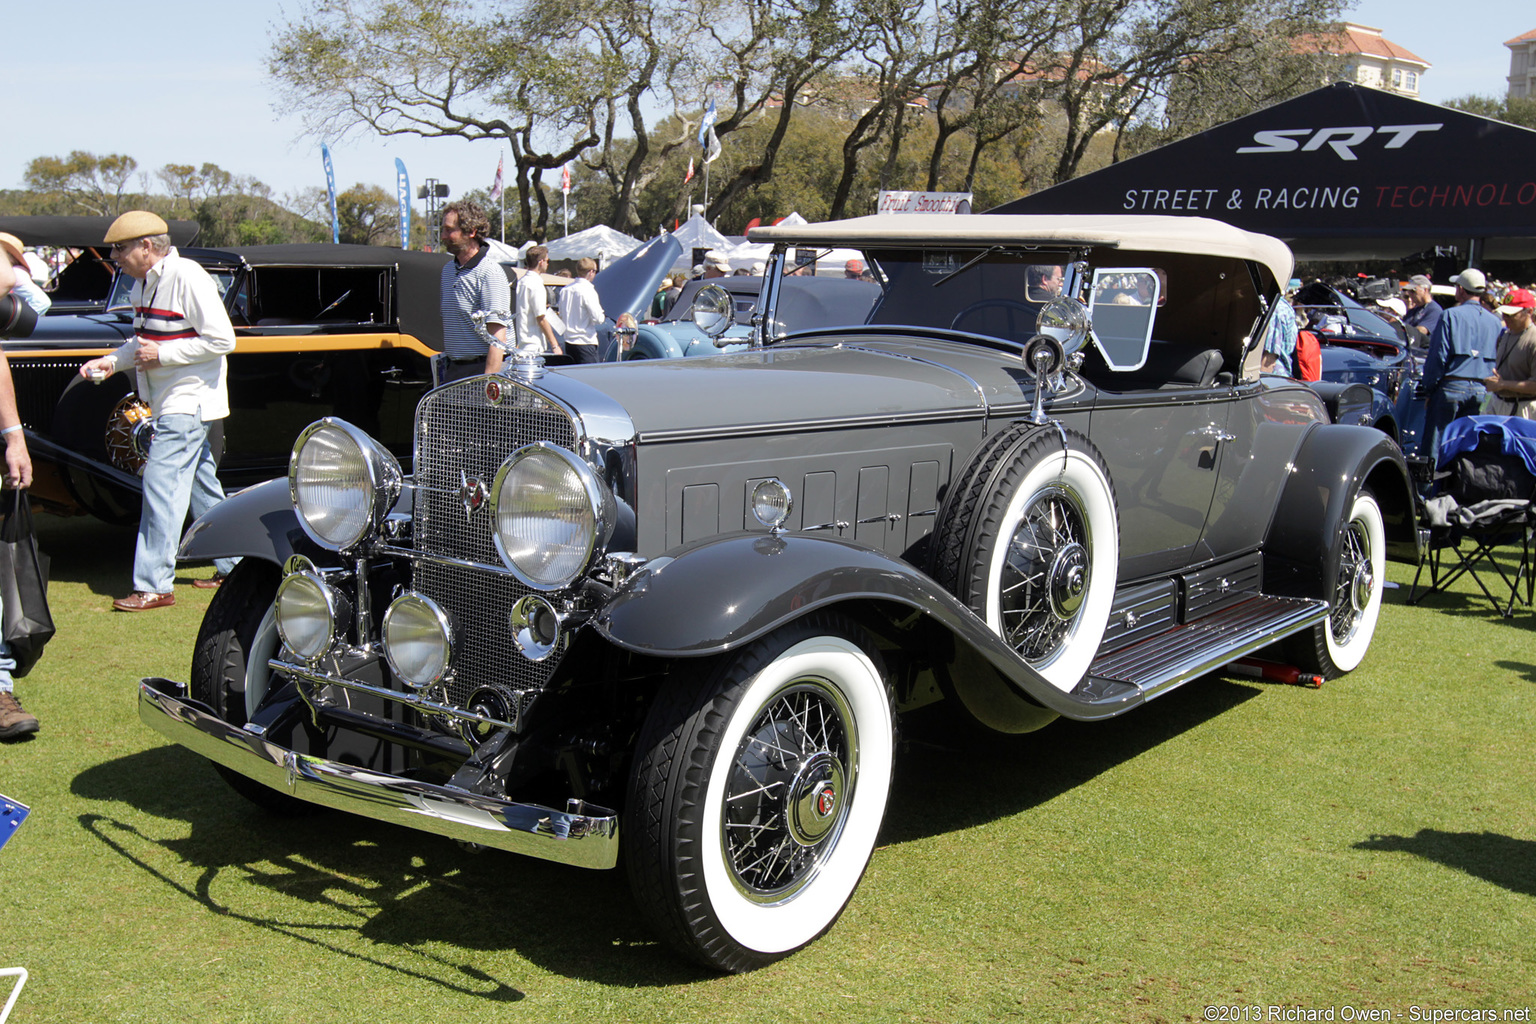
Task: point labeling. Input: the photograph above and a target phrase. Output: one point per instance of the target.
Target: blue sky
(179, 81)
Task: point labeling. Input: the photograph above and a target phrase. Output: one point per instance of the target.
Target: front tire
(229, 664)
(1338, 644)
(759, 787)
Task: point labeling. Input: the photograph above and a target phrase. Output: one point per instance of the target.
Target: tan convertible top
(1131, 231)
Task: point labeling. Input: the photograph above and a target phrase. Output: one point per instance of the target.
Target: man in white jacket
(181, 335)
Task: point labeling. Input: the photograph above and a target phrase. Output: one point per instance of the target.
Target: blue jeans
(178, 474)
(7, 663)
(1453, 399)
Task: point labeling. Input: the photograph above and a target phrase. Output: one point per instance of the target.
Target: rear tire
(1338, 644)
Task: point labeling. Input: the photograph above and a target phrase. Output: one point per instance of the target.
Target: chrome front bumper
(583, 835)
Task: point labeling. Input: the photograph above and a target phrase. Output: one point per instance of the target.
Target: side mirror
(712, 310)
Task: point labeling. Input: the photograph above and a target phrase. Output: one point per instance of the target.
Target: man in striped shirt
(181, 335)
(472, 283)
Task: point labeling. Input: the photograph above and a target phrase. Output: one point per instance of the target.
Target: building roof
(1527, 37)
(1365, 40)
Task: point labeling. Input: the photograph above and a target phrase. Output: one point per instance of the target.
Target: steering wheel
(984, 304)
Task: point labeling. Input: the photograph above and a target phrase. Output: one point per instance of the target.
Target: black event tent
(1343, 172)
(80, 232)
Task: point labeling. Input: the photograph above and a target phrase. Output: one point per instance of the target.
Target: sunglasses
(122, 247)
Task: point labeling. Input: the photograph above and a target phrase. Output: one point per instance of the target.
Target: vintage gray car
(681, 603)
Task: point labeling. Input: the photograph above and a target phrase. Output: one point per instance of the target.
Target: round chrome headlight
(1067, 321)
(553, 515)
(418, 639)
(306, 615)
(343, 483)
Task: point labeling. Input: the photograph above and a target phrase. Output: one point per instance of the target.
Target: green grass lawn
(1234, 843)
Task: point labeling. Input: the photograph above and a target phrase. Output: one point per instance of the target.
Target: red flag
(565, 179)
(754, 222)
(496, 185)
(689, 176)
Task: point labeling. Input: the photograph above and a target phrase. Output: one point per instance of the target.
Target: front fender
(257, 522)
(1301, 554)
(724, 592)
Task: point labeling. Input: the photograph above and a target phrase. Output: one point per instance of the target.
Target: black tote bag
(23, 585)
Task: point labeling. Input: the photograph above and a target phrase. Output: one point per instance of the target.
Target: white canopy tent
(600, 242)
(698, 233)
(749, 254)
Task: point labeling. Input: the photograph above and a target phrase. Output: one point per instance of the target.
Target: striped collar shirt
(480, 284)
(178, 307)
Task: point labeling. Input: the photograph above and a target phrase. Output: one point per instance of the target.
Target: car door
(1163, 450)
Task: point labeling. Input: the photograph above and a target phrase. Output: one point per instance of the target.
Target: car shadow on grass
(1505, 861)
(949, 779)
(386, 896)
(380, 895)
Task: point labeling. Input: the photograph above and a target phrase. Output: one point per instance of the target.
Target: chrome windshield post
(768, 300)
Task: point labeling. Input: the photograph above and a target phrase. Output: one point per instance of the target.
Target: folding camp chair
(1486, 496)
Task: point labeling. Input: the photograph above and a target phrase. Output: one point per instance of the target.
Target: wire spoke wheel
(758, 791)
(1044, 575)
(1355, 586)
(1339, 643)
(788, 791)
(1029, 539)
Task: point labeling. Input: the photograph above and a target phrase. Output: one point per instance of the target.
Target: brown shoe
(213, 582)
(142, 601)
(15, 722)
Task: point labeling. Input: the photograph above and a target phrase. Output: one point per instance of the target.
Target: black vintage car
(343, 330)
(678, 604)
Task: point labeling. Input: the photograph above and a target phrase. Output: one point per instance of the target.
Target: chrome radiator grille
(461, 434)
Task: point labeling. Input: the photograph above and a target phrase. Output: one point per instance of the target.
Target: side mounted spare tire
(1029, 539)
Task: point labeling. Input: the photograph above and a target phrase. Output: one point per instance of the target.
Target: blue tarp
(1517, 437)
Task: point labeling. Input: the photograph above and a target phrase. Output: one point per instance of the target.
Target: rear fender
(1302, 551)
(721, 593)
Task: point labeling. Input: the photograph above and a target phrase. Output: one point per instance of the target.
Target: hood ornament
(519, 363)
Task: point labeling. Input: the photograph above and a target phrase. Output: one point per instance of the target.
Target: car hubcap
(1044, 580)
(814, 798)
(789, 792)
(1069, 581)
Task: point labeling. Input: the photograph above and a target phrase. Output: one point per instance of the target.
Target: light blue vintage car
(699, 324)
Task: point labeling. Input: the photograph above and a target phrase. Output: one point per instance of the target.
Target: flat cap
(135, 224)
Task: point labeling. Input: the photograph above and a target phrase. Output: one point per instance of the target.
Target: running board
(1187, 652)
